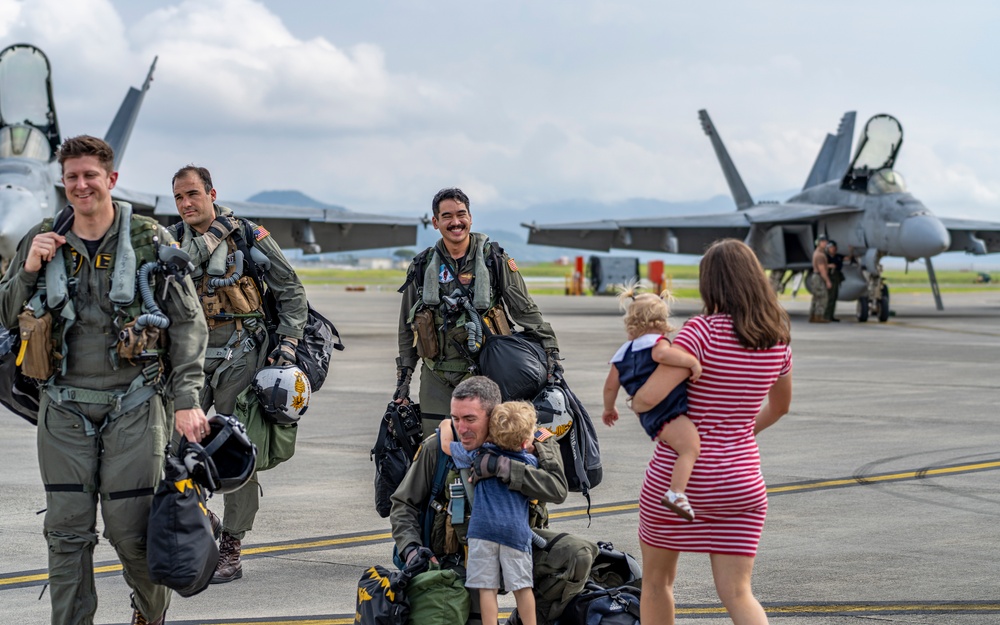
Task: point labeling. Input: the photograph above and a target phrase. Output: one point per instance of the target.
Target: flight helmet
(283, 393)
(225, 459)
(552, 408)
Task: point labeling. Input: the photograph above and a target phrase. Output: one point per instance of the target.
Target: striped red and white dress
(726, 489)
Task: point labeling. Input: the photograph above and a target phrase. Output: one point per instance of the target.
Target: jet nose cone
(922, 236)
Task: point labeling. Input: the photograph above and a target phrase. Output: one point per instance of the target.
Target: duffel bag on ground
(561, 570)
(603, 606)
(438, 597)
(382, 594)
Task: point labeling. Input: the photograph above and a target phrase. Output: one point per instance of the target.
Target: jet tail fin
(835, 155)
(121, 128)
(736, 186)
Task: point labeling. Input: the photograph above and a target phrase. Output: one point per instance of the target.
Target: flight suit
(546, 483)
(836, 279)
(91, 451)
(438, 378)
(238, 349)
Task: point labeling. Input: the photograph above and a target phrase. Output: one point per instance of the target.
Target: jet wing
(689, 234)
(972, 236)
(312, 229)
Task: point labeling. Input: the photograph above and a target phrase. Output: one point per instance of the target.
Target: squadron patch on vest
(512, 264)
(102, 261)
(77, 260)
(444, 274)
(260, 232)
(465, 278)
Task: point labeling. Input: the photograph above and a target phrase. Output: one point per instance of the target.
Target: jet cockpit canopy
(871, 169)
(27, 112)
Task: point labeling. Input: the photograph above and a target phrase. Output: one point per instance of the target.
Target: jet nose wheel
(883, 305)
(863, 309)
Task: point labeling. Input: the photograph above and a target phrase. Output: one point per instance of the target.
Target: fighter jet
(30, 187)
(862, 203)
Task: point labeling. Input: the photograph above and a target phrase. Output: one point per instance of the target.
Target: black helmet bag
(517, 364)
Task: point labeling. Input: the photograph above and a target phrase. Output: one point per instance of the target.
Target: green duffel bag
(438, 597)
(275, 443)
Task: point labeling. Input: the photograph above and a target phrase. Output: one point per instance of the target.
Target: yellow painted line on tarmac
(887, 477)
(314, 544)
(564, 514)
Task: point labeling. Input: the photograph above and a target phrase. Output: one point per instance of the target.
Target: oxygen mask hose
(215, 283)
(155, 316)
(474, 327)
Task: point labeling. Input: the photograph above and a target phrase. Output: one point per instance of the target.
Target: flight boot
(229, 567)
(139, 619)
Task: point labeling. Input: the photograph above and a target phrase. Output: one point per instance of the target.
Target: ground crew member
(235, 311)
(470, 407)
(103, 416)
(835, 263)
(820, 284)
(443, 282)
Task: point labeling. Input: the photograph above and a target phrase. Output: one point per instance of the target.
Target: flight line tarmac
(884, 501)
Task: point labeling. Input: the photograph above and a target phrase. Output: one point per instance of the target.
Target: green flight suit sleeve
(522, 309)
(407, 350)
(188, 335)
(285, 285)
(412, 494)
(17, 285)
(546, 483)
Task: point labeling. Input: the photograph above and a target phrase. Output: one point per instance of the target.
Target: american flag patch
(542, 434)
(260, 232)
(512, 264)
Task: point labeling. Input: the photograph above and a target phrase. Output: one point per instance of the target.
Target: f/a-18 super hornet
(30, 187)
(862, 203)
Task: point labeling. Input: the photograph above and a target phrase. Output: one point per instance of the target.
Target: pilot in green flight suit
(461, 267)
(236, 344)
(104, 419)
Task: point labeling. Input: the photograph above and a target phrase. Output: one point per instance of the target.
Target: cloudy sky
(376, 105)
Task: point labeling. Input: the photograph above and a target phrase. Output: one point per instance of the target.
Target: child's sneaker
(678, 502)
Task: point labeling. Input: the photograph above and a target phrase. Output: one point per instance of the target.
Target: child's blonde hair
(512, 424)
(645, 313)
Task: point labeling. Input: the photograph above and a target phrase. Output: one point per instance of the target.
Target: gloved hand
(555, 367)
(404, 375)
(491, 465)
(284, 353)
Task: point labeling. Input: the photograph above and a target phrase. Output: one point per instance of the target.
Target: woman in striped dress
(742, 342)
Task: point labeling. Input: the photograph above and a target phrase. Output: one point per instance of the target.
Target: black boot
(229, 567)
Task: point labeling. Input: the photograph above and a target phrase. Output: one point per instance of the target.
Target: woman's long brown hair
(733, 282)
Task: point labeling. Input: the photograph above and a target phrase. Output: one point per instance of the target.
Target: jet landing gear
(877, 305)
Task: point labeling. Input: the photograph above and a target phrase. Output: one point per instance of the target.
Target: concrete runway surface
(884, 500)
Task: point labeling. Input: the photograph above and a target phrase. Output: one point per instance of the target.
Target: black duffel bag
(180, 549)
(517, 364)
(397, 443)
(18, 392)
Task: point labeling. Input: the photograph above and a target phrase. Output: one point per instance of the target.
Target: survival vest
(449, 334)
(144, 241)
(319, 336)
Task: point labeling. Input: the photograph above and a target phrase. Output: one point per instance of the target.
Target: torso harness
(230, 289)
(138, 318)
(449, 329)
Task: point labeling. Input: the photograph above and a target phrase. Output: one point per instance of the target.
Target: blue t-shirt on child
(499, 514)
(634, 361)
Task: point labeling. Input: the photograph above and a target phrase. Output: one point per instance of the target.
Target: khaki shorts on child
(486, 558)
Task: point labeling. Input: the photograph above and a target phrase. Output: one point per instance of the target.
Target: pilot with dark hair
(835, 263)
(461, 282)
(237, 318)
(819, 284)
